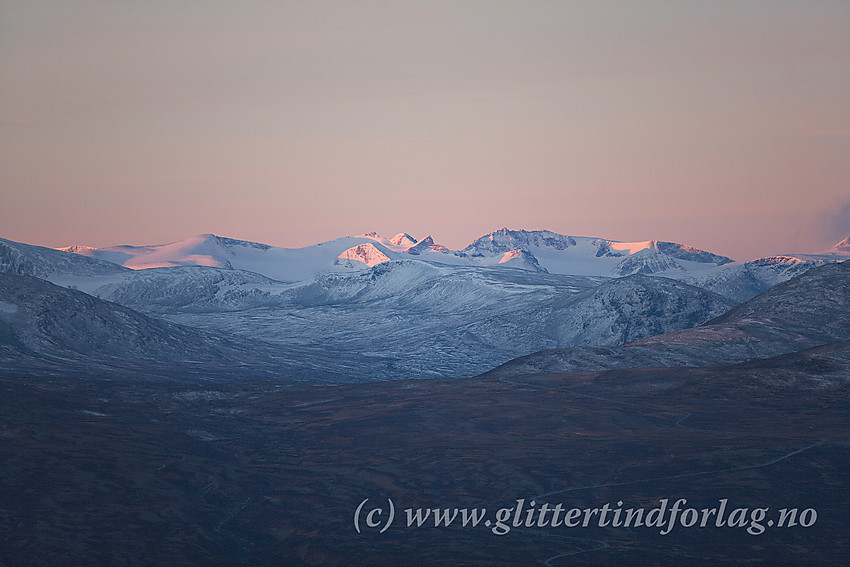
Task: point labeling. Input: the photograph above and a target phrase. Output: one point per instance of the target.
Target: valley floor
(265, 473)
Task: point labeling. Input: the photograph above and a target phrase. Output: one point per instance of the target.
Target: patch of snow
(365, 253)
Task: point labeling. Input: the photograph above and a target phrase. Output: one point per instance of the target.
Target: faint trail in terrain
(602, 544)
(685, 475)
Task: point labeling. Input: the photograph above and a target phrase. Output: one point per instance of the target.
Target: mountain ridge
(45, 327)
(804, 312)
(540, 251)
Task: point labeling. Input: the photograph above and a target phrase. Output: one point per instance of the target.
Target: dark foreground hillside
(263, 473)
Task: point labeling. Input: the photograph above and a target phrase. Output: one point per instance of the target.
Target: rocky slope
(44, 327)
(807, 311)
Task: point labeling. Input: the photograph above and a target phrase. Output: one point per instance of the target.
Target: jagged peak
(402, 239)
(507, 232)
(505, 239)
(426, 243)
(685, 252)
(777, 259)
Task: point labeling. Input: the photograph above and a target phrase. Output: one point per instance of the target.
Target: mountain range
(536, 251)
(370, 308)
(540, 251)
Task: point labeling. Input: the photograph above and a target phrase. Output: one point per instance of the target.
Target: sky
(724, 125)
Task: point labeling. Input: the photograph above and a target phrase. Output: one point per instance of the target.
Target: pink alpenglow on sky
(724, 125)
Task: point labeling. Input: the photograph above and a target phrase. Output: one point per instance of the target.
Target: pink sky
(723, 125)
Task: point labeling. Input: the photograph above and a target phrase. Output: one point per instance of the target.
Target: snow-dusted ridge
(539, 250)
(382, 308)
(842, 247)
(805, 312)
(282, 264)
(535, 251)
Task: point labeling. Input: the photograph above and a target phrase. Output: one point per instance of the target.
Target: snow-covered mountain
(807, 311)
(48, 328)
(556, 253)
(282, 264)
(395, 307)
(366, 254)
(540, 250)
(626, 309)
(743, 281)
(187, 289)
(418, 319)
(41, 262)
(534, 251)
